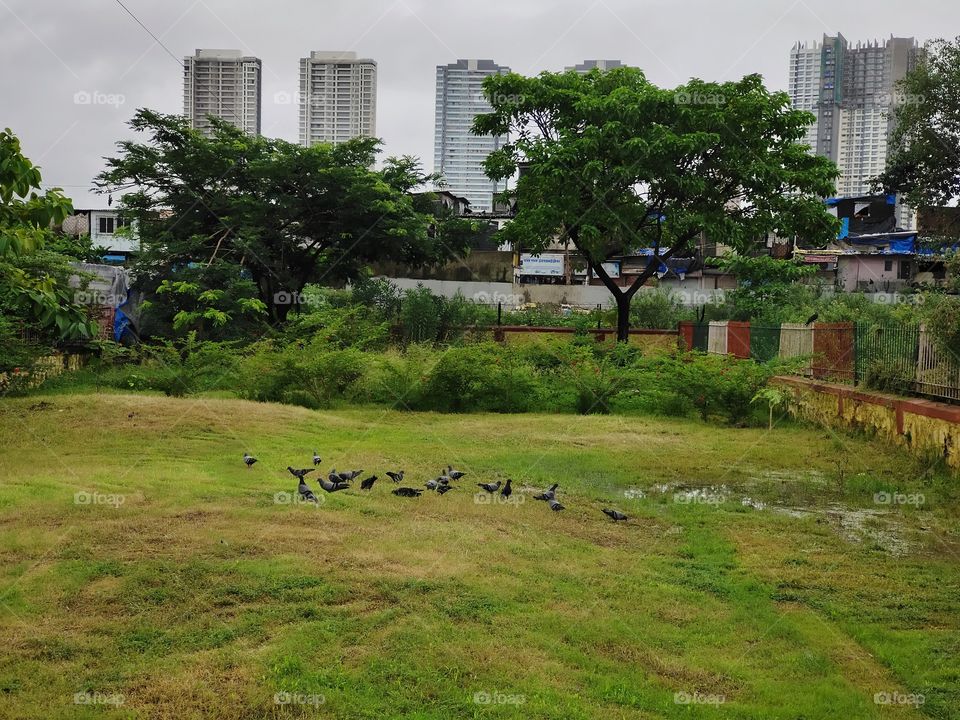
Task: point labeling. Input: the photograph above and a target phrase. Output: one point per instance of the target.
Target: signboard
(612, 268)
(819, 258)
(549, 265)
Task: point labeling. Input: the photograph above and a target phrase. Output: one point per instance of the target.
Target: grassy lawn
(757, 576)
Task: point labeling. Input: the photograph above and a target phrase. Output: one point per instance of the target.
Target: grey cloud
(63, 48)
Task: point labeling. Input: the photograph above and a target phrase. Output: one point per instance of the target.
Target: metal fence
(886, 356)
(903, 359)
(938, 372)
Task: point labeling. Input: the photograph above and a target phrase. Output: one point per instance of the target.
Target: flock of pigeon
(337, 481)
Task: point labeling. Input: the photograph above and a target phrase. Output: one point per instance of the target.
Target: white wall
(512, 294)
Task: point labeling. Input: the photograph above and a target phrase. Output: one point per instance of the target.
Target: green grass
(196, 595)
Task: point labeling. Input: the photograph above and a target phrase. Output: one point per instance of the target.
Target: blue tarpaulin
(844, 228)
(906, 245)
(121, 324)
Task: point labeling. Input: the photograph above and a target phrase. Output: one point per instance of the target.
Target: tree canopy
(616, 164)
(924, 160)
(259, 218)
(36, 300)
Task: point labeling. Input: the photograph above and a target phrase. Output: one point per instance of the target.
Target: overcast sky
(52, 50)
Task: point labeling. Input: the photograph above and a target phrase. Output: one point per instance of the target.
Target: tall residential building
(338, 97)
(588, 65)
(852, 90)
(457, 153)
(225, 84)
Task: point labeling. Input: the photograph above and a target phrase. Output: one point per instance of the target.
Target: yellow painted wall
(922, 435)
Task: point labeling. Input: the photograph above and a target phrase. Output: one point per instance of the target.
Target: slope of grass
(179, 584)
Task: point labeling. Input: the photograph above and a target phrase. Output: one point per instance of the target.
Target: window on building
(887, 265)
(109, 225)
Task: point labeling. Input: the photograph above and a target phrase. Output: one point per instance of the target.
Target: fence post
(499, 313)
(685, 334)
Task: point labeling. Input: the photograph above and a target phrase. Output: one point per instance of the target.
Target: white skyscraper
(457, 153)
(225, 84)
(338, 97)
(852, 90)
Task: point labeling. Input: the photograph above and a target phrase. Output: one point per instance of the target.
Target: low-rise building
(107, 229)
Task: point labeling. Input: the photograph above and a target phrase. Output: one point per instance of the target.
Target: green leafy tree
(764, 285)
(35, 297)
(278, 214)
(924, 162)
(615, 164)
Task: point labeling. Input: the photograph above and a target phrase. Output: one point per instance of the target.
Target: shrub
(399, 379)
(596, 386)
(714, 385)
(890, 376)
(186, 367)
(348, 326)
(481, 377)
(380, 294)
(658, 310)
(325, 376)
(265, 373)
(420, 316)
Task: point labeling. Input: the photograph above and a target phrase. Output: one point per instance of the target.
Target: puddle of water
(789, 476)
(858, 525)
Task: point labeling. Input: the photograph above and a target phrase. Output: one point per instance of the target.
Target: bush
(714, 385)
(420, 316)
(185, 368)
(658, 310)
(347, 326)
(380, 294)
(890, 376)
(265, 373)
(596, 386)
(399, 379)
(482, 378)
(325, 376)
(175, 368)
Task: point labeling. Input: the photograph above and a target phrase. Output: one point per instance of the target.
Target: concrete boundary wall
(513, 294)
(924, 427)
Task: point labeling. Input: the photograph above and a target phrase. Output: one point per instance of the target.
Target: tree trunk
(623, 317)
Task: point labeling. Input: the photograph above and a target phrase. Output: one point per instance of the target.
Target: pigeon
(299, 474)
(349, 475)
(333, 485)
(614, 515)
(812, 318)
(507, 489)
(434, 484)
(305, 492)
(407, 492)
(490, 487)
(555, 505)
(368, 483)
(454, 474)
(395, 476)
(249, 460)
(548, 494)
(316, 458)
(444, 488)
